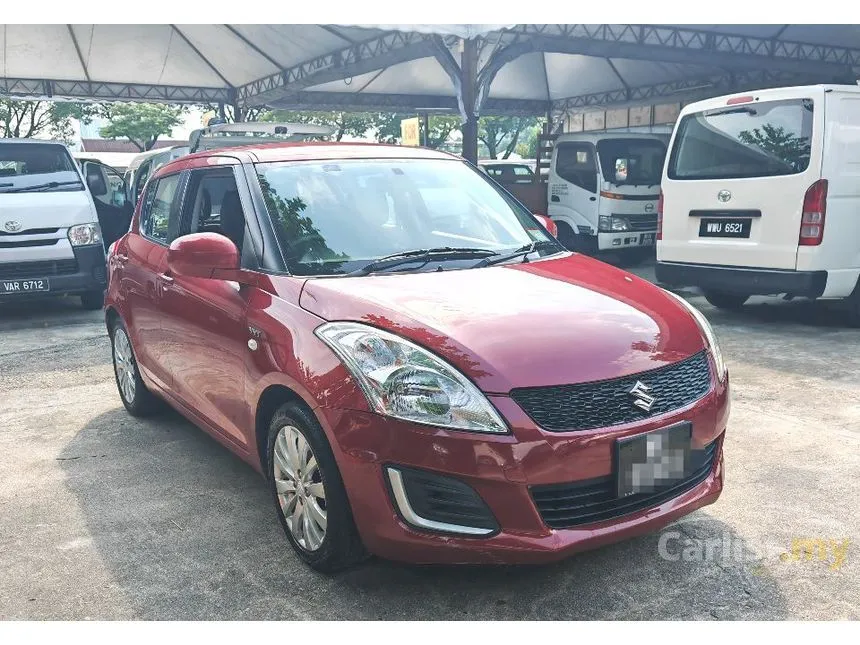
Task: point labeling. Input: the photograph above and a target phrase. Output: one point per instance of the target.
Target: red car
(417, 367)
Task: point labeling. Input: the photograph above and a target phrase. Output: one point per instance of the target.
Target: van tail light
(814, 210)
(660, 216)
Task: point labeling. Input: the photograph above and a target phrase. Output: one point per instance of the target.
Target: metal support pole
(425, 122)
(237, 112)
(469, 90)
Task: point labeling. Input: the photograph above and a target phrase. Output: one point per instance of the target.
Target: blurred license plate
(652, 461)
(725, 227)
(24, 286)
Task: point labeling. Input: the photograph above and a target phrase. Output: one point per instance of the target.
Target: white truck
(761, 194)
(601, 190)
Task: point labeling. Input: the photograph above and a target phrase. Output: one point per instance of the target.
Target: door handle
(166, 279)
(591, 199)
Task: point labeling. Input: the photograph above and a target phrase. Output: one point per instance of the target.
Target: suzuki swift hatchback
(417, 382)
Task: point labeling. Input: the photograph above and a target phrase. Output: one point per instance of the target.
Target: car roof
(34, 141)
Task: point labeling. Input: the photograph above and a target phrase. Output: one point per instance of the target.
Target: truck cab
(603, 190)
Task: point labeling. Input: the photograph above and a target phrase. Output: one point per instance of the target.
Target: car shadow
(188, 532)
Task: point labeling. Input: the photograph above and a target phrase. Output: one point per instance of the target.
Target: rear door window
(747, 140)
(158, 208)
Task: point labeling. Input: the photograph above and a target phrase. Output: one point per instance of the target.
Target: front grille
(43, 269)
(31, 231)
(593, 500)
(25, 243)
(564, 408)
(644, 222)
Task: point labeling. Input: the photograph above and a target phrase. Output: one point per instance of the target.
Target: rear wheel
(309, 494)
(722, 300)
(138, 400)
(93, 299)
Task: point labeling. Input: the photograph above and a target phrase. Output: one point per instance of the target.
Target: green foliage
(25, 119)
(783, 145)
(354, 124)
(527, 148)
(500, 134)
(140, 123)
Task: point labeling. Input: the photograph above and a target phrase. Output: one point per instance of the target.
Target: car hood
(547, 322)
(50, 209)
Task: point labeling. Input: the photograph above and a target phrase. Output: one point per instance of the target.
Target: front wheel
(309, 494)
(721, 300)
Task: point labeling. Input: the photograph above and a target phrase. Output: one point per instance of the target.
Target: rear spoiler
(225, 135)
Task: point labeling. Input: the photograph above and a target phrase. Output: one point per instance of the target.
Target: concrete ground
(107, 517)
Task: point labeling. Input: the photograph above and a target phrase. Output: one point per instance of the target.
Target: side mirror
(204, 255)
(548, 224)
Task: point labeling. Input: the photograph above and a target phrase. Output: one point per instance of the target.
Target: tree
(501, 133)
(140, 123)
(354, 124)
(783, 145)
(527, 148)
(441, 128)
(26, 119)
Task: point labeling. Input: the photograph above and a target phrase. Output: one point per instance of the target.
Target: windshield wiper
(737, 110)
(424, 256)
(50, 184)
(524, 251)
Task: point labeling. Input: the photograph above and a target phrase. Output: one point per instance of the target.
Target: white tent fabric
(354, 65)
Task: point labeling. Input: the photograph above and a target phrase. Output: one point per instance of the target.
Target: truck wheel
(566, 236)
(721, 300)
(93, 299)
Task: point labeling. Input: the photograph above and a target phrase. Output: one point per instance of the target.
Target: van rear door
(736, 179)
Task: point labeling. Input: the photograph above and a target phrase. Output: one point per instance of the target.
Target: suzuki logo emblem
(12, 226)
(643, 400)
(724, 196)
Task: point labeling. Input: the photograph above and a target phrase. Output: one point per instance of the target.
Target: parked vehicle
(110, 194)
(51, 229)
(413, 384)
(508, 172)
(760, 196)
(603, 190)
(219, 135)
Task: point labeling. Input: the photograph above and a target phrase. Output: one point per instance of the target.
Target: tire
(730, 301)
(296, 438)
(138, 400)
(92, 300)
(566, 236)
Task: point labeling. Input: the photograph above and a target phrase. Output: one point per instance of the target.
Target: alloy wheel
(300, 489)
(123, 362)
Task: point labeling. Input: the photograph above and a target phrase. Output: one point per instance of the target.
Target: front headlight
(84, 234)
(709, 334)
(620, 224)
(402, 380)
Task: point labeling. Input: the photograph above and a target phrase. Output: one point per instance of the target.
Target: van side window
(574, 162)
(155, 218)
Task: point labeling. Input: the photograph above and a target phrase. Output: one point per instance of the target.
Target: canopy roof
(521, 68)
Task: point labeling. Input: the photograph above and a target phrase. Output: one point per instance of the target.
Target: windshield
(634, 162)
(334, 217)
(747, 140)
(37, 167)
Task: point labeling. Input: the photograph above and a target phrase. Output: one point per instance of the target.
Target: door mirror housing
(204, 255)
(548, 224)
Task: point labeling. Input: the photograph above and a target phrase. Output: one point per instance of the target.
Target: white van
(603, 190)
(50, 239)
(761, 195)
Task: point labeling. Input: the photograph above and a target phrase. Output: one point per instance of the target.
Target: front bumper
(742, 280)
(626, 240)
(501, 470)
(89, 274)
